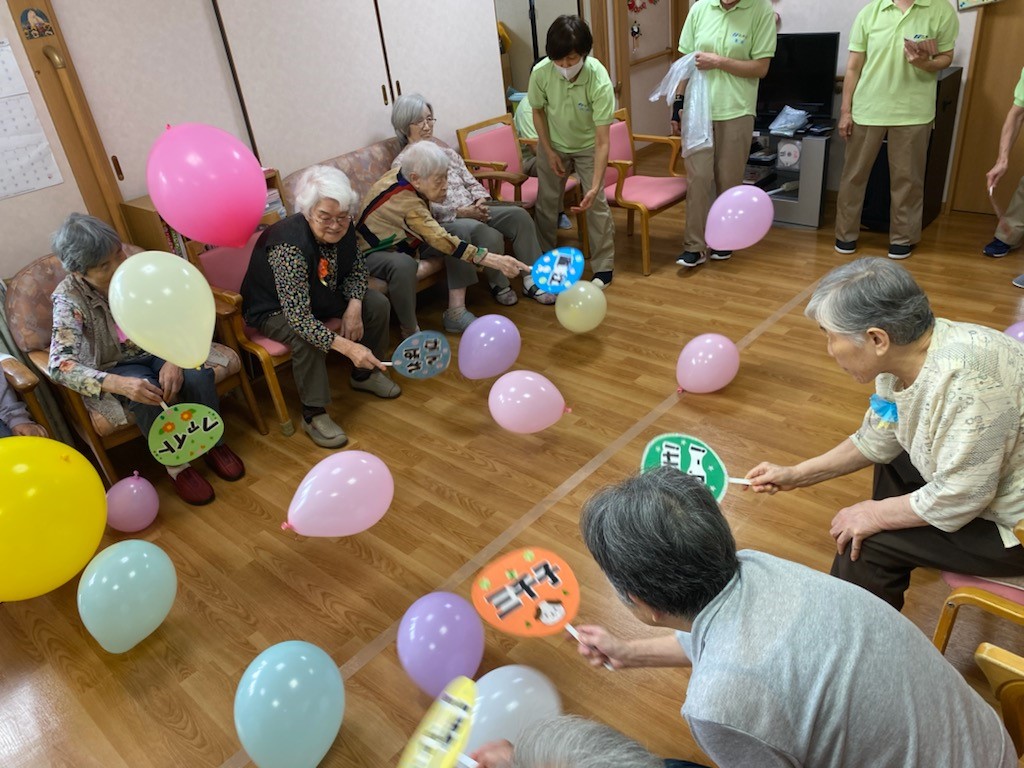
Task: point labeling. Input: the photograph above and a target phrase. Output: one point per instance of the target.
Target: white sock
(175, 471)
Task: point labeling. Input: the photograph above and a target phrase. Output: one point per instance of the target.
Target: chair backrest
(493, 140)
(362, 166)
(1005, 673)
(28, 306)
(225, 267)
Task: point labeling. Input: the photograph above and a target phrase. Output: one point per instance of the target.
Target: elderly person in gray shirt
(781, 677)
(943, 430)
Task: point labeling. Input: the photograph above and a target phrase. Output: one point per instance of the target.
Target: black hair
(568, 34)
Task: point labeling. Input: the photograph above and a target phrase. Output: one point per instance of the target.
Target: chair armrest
(226, 303)
(673, 142)
(532, 143)
(622, 168)
(21, 378)
(494, 166)
(515, 179)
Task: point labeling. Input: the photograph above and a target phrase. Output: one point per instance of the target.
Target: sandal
(541, 297)
(504, 295)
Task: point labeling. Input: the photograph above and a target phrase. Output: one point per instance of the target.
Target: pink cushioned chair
(646, 195)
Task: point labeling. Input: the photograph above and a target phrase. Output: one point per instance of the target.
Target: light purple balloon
(707, 364)
(525, 402)
(132, 504)
(739, 218)
(488, 347)
(1016, 331)
(343, 495)
(440, 638)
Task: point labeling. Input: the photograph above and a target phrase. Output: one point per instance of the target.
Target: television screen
(802, 76)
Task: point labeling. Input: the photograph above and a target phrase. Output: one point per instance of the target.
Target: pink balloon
(344, 494)
(488, 347)
(707, 364)
(206, 184)
(525, 402)
(1016, 331)
(440, 638)
(132, 504)
(739, 218)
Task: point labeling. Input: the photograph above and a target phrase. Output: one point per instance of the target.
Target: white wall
(28, 220)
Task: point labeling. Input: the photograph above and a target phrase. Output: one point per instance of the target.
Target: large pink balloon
(488, 347)
(206, 184)
(708, 363)
(132, 504)
(739, 218)
(1016, 331)
(344, 494)
(525, 402)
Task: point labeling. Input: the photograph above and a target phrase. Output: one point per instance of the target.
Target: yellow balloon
(164, 304)
(581, 307)
(52, 513)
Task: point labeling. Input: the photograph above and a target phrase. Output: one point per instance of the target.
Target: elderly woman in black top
(304, 271)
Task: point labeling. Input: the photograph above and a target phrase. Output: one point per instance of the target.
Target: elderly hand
(507, 265)
(137, 390)
(362, 357)
(494, 754)
(599, 646)
(854, 524)
(586, 202)
(771, 478)
(352, 321)
(171, 379)
(707, 60)
(29, 429)
(478, 210)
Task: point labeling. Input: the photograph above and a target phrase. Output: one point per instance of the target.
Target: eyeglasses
(424, 122)
(324, 220)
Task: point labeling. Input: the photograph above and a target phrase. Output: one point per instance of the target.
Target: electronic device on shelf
(802, 76)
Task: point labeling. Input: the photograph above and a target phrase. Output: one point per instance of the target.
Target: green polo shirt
(573, 109)
(745, 32)
(1018, 92)
(891, 90)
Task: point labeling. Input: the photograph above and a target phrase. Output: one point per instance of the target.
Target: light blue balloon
(125, 593)
(289, 705)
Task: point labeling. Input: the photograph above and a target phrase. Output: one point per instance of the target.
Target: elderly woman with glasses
(944, 431)
(467, 211)
(305, 271)
(396, 217)
(90, 355)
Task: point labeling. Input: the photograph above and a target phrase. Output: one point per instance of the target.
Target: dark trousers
(887, 558)
(5, 431)
(682, 764)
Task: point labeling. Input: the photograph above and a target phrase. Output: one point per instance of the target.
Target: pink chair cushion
(496, 145)
(652, 191)
(225, 267)
(276, 348)
(1011, 593)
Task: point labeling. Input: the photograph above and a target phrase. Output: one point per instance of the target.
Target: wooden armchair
(29, 313)
(24, 382)
(1005, 673)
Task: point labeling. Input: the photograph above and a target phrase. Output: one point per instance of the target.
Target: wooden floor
(467, 490)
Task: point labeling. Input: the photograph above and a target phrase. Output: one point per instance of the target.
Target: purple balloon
(739, 218)
(488, 347)
(1016, 331)
(132, 504)
(440, 638)
(708, 363)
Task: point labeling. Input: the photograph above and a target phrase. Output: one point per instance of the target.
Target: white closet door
(311, 75)
(146, 65)
(446, 50)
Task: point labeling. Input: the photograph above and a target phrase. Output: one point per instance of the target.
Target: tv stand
(798, 193)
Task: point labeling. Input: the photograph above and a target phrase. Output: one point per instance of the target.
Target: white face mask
(570, 72)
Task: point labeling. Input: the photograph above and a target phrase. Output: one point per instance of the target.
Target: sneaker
(192, 487)
(563, 222)
(721, 255)
(602, 279)
(324, 432)
(225, 463)
(899, 251)
(691, 259)
(1019, 281)
(457, 323)
(846, 246)
(997, 248)
(378, 384)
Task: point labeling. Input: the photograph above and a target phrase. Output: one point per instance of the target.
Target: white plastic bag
(695, 120)
(788, 122)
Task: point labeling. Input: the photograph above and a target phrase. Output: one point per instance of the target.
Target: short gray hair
(574, 742)
(425, 159)
(871, 293)
(408, 109)
(84, 241)
(661, 538)
(320, 182)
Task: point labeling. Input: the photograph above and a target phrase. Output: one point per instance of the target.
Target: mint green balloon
(125, 593)
(289, 705)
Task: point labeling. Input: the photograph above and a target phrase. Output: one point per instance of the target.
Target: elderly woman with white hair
(305, 270)
(396, 217)
(467, 210)
(943, 430)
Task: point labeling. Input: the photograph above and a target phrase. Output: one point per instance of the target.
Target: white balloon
(508, 701)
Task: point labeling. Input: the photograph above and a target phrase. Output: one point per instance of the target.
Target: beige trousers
(908, 156)
(712, 171)
(1011, 226)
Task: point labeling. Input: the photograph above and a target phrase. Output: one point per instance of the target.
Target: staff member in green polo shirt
(573, 107)
(1010, 230)
(896, 49)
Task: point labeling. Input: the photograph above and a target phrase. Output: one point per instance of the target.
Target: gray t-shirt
(792, 667)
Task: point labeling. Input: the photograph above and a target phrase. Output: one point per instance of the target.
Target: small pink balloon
(132, 504)
(343, 495)
(739, 218)
(707, 363)
(525, 402)
(1016, 331)
(488, 347)
(206, 184)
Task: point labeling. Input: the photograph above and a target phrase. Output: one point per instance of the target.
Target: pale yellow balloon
(581, 307)
(164, 304)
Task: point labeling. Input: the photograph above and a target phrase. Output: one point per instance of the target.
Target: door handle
(398, 87)
(384, 93)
